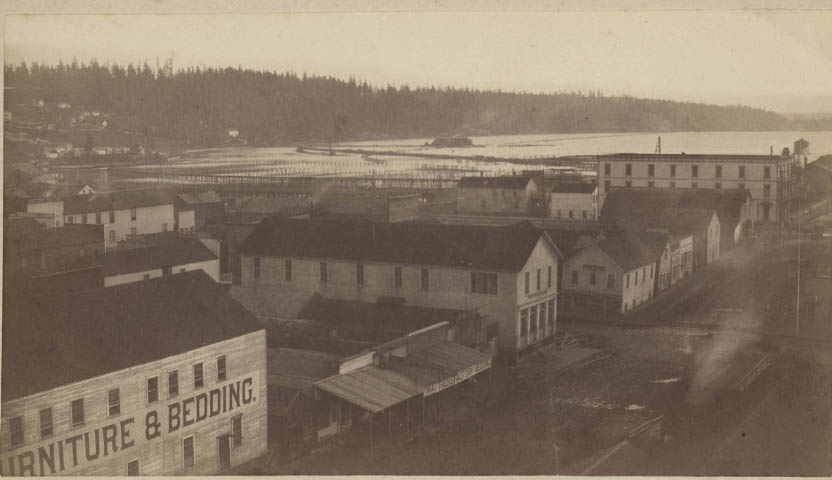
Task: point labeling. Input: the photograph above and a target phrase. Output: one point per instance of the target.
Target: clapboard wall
(133, 432)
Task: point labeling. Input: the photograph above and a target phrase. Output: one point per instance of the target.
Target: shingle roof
(371, 322)
(510, 182)
(50, 341)
(626, 250)
(199, 198)
(634, 207)
(490, 248)
(683, 220)
(166, 251)
(121, 200)
(573, 187)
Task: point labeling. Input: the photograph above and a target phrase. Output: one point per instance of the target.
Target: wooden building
(164, 377)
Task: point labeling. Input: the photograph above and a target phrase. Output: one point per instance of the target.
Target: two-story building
(31, 247)
(500, 195)
(614, 275)
(126, 212)
(507, 274)
(701, 224)
(766, 177)
(574, 200)
(164, 377)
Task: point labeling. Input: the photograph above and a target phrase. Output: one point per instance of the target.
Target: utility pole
(797, 313)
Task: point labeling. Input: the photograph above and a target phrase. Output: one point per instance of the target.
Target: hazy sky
(776, 60)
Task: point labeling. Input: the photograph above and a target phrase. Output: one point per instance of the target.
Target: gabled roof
(371, 322)
(627, 251)
(167, 251)
(573, 187)
(463, 246)
(121, 200)
(54, 340)
(683, 221)
(26, 234)
(655, 241)
(300, 369)
(505, 182)
(199, 198)
(635, 206)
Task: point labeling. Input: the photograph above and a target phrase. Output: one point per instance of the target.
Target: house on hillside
(615, 275)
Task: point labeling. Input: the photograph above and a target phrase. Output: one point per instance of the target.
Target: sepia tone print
(417, 241)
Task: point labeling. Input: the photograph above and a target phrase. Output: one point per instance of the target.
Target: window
(164, 227)
(287, 269)
(673, 171)
(651, 170)
(651, 184)
(606, 185)
(607, 169)
(70, 219)
(359, 274)
(98, 218)
(484, 283)
(741, 173)
(112, 236)
(77, 412)
(16, 430)
(133, 468)
(188, 451)
(133, 230)
(152, 389)
(173, 383)
(112, 217)
(635, 281)
(694, 185)
(628, 281)
(84, 219)
(672, 184)
(718, 185)
(424, 279)
(538, 279)
(741, 186)
(628, 170)
(718, 171)
(526, 285)
(610, 280)
(324, 275)
(113, 402)
(549, 277)
(766, 190)
(237, 431)
(643, 273)
(45, 422)
(398, 279)
(524, 321)
(256, 262)
(766, 173)
(559, 213)
(533, 320)
(583, 214)
(628, 184)
(574, 277)
(570, 214)
(182, 270)
(221, 372)
(132, 214)
(592, 278)
(198, 380)
(694, 171)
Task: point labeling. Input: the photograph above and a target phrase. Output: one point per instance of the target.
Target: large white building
(164, 377)
(508, 274)
(766, 177)
(126, 212)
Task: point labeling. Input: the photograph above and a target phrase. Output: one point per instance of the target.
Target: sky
(777, 60)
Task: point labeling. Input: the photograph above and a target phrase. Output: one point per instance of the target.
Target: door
(224, 451)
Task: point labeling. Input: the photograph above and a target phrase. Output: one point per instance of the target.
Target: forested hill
(201, 105)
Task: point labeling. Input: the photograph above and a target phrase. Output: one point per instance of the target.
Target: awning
(370, 388)
(441, 366)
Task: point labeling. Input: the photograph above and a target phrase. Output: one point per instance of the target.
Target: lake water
(286, 162)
